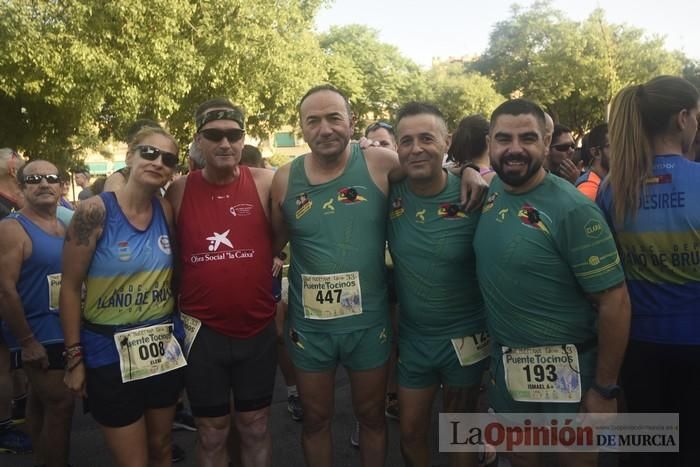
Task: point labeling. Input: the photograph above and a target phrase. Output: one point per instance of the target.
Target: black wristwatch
(469, 166)
(610, 391)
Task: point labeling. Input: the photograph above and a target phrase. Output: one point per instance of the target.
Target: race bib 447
(543, 374)
(331, 296)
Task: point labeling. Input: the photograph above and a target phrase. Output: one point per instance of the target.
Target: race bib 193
(543, 374)
(331, 296)
(149, 351)
(191, 326)
(54, 289)
(472, 349)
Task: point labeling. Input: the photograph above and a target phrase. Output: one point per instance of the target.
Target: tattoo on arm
(85, 222)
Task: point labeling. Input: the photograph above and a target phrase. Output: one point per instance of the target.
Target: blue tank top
(129, 277)
(39, 284)
(660, 251)
(128, 282)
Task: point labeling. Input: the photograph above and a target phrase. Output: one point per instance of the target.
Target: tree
(374, 75)
(458, 93)
(75, 72)
(573, 69)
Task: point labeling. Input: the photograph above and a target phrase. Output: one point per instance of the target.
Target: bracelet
(469, 166)
(282, 255)
(73, 351)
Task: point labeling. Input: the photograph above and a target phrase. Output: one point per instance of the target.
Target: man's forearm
(12, 313)
(613, 334)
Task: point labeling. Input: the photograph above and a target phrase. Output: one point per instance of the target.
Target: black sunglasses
(36, 179)
(150, 154)
(564, 147)
(215, 135)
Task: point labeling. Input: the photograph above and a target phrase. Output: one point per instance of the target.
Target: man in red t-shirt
(225, 290)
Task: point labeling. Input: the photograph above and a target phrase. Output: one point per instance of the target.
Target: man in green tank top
(331, 205)
(442, 327)
(549, 272)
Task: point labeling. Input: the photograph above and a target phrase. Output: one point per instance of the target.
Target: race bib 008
(543, 374)
(331, 296)
(149, 351)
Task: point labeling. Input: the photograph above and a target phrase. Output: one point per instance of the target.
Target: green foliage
(573, 69)
(374, 75)
(75, 72)
(278, 160)
(458, 93)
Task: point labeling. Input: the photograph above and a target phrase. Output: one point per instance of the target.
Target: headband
(228, 114)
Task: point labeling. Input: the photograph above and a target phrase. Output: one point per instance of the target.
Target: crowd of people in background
(424, 259)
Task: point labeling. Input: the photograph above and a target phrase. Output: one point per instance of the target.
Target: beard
(512, 178)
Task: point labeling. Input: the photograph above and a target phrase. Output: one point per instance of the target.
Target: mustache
(515, 158)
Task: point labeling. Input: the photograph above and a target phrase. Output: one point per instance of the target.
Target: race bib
(54, 289)
(543, 374)
(472, 349)
(191, 326)
(331, 296)
(149, 351)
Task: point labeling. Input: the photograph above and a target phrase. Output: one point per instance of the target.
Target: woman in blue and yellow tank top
(650, 200)
(122, 349)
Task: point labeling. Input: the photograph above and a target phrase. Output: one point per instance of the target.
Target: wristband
(469, 166)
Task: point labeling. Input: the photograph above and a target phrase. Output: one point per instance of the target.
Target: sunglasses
(215, 135)
(378, 125)
(150, 154)
(36, 179)
(564, 147)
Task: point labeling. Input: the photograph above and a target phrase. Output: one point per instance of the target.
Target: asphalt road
(89, 450)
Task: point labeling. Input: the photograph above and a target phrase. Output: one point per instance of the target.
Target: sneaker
(19, 409)
(392, 408)
(184, 421)
(14, 442)
(178, 453)
(294, 408)
(355, 435)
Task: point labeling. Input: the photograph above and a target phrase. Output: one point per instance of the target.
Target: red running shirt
(225, 255)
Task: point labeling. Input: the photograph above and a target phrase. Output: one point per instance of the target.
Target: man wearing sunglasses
(30, 280)
(599, 149)
(225, 258)
(331, 204)
(11, 440)
(560, 153)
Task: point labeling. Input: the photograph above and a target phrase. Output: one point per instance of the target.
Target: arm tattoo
(85, 222)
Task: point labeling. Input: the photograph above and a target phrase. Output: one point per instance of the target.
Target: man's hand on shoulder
(474, 189)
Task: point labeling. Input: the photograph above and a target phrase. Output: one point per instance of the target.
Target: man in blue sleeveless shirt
(30, 280)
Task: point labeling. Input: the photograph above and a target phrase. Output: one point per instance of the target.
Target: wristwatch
(469, 166)
(610, 391)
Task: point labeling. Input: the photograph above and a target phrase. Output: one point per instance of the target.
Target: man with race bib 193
(548, 270)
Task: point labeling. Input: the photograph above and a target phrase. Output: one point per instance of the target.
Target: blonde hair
(147, 131)
(637, 115)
